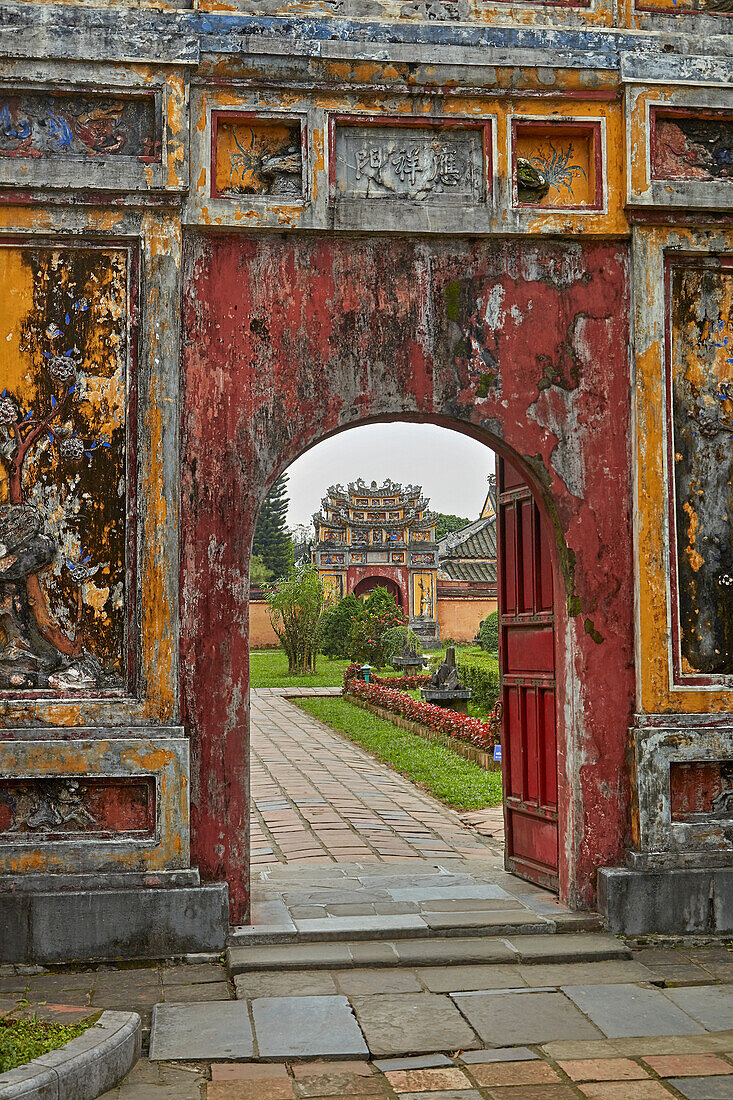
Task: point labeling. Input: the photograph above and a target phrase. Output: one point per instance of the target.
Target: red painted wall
(521, 343)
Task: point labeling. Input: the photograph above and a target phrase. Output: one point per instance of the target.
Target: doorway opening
(499, 552)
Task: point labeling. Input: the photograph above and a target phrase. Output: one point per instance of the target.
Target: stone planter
(82, 1069)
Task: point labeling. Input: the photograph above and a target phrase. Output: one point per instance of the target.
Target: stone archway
(367, 584)
(290, 340)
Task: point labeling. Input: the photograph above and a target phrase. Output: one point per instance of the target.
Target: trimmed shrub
(394, 640)
(480, 673)
(336, 626)
(488, 633)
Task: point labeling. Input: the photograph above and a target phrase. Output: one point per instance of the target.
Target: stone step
(425, 951)
(414, 926)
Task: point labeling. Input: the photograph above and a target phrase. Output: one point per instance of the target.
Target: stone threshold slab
(428, 951)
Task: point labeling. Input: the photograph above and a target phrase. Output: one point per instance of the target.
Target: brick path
(317, 798)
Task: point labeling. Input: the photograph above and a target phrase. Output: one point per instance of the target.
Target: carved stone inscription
(63, 365)
(34, 124)
(426, 164)
(702, 409)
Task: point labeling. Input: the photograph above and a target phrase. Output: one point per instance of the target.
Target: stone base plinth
(690, 901)
(97, 918)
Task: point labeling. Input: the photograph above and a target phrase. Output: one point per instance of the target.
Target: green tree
(271, 542)
(488, 633)
(446, 525)
(336, 626)
(258, 571)
(379, 614)
(295, 605)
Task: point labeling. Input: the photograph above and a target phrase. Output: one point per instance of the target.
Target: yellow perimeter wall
(458, 619)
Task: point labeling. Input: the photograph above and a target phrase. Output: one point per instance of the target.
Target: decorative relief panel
(45, 124)
(63, 454)
(333, 587)
(332, 559)
(422, 559)
(557, 164)
(701, 789)
(423, 595)
(425, 163)
(52, 808)
(690, 146)
(700, 385)
(256, 156)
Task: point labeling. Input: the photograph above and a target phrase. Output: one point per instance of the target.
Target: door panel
(527, 662)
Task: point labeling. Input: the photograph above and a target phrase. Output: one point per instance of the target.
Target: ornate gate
(527, 661)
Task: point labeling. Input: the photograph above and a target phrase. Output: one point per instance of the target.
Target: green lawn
(269, 668)
(451, 779)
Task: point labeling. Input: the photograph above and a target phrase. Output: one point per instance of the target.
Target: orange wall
(261, 634)
(459, 618)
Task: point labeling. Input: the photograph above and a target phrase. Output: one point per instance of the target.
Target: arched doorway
(334, 336)
(368, 584)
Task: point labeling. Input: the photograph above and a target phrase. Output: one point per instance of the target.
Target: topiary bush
(488, 633)
(394, 641)
(336, 626)
(480, 673)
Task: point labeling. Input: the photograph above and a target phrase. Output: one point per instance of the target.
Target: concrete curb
(82, 1069)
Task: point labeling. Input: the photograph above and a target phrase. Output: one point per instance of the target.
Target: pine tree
(271, 541)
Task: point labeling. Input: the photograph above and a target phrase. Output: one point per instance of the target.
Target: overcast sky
(451, 468)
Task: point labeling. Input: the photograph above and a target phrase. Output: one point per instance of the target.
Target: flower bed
(402, 683)
(474, 731)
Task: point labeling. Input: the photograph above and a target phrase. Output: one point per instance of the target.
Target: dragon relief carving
(56, 805)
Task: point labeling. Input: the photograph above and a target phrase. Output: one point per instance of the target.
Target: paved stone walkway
(655, 1026)
(317, 798)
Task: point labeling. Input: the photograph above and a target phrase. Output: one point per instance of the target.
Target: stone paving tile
(603, 1069)
(329, 1084)
(507, 1054)
(290, 983)
(504, 1019)
(210, 1031)
(420, 1022)
(424, 1061)
(454, 979)
(306, 1027)
(452, 1094)
(711, 1005)
(247, 1071)
(153, 1081)
(626, 1090)
(688, 1065)
(262, 1089)
(366, 982)
(704, 1088)
(424, 1080)
(515, 1073)
(631, 1010)
(532, 1092)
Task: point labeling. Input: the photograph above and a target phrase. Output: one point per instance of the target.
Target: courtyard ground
(392, 956)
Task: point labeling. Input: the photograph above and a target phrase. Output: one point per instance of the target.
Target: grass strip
(269, 668)
(448, 777)
(23, 1040)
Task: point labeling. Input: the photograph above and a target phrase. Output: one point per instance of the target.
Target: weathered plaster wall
(287, 341)
(460, 619)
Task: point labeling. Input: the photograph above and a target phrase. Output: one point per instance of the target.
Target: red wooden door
(527, 662)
